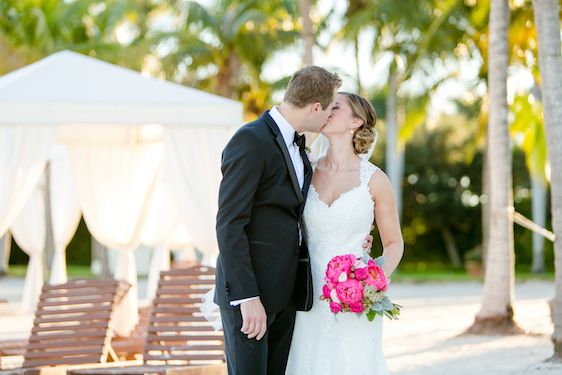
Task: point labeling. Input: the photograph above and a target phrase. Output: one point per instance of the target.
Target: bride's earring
(351, 131)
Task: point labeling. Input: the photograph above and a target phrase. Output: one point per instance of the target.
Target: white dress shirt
(288, 133)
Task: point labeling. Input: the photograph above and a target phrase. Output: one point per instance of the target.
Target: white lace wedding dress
(343, 344)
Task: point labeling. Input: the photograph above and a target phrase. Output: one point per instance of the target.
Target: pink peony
(338, 265)
(326, 291)
(356, 307)
(361, 273)
(376, 276)
(335, 307)
(350, 291)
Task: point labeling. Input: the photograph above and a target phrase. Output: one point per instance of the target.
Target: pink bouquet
(358, 285)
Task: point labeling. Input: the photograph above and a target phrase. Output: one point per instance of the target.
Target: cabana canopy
(68, 87)
(137, 157)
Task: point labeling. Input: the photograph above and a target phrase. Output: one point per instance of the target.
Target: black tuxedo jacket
(260, 209)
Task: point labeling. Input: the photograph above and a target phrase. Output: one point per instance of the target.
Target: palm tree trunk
(496, 312)
(539, 190)
(307, 34)
(357, 64)
(486, 203)
(394, 152)
(550, 64)
(451, 246)
(49, 237)
(100, 259)
(5, 247)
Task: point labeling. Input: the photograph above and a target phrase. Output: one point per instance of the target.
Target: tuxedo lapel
(286, 156)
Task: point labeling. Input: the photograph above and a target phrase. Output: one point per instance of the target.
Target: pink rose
(335, 307)
(338, 265)
(376, 276)
(326, 291)
(350, 291)
(356, 307)
(361, 273)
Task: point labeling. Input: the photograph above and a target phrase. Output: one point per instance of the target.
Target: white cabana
(124, 134)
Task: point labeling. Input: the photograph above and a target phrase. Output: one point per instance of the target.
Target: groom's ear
(316, 106)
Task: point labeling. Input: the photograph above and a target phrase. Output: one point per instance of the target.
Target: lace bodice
(341, 227)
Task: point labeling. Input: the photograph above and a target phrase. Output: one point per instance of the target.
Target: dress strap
(366, 170)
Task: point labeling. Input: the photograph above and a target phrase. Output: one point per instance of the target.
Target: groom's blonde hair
(312, 84)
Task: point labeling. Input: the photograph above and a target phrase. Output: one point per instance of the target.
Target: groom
(266, 176)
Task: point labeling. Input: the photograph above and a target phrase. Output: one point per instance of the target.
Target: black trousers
(252, 357)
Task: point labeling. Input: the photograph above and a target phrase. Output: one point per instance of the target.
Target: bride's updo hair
(366, 134)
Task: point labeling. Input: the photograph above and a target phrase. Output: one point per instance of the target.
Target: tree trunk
(452, 249)
(539, 190)
(100, 260)
(5, 247)
(486, 203)
(357, 64)
(49, 237)
(307, 34)
(550, 63)
(394, 151)
(496, 312)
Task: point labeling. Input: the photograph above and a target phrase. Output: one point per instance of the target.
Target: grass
(437, 272)
(409, 272)
(73, 271)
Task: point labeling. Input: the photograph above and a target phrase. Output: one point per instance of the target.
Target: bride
(346, 195)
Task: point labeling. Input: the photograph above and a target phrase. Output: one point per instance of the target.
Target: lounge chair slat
(62, 336)
(81, 318)
(93, 301)
(184, 347)
(182, 338)
(64, 343)
(180, 310)
(178, 319)
(62, 353)
(62, 361)
(167, 301)
(177, 328)
(188, 357)
(75, 328)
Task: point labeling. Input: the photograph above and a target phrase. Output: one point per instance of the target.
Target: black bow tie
(300, 140)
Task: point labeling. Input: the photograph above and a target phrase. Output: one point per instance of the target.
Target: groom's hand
(368, 244)
(254, 319)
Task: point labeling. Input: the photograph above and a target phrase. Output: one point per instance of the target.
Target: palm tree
(550, 63)
(496, 313)
(307, 34)
(32, 29)
(411, 41)
(521, 37)
(223, 48)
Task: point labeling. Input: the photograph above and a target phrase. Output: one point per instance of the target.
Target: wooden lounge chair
(179, 339)
(72, 323)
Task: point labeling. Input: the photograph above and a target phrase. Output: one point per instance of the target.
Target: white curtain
(192, 164)
(161, 219)
(65, 209)
(114, 183)
(29, 232)
(23, 153)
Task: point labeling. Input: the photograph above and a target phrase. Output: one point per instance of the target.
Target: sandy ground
(427, 339)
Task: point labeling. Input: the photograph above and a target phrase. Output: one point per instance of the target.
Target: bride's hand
(368, 244)
(254, 319)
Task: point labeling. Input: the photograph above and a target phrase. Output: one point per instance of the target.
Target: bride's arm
(388, 222)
